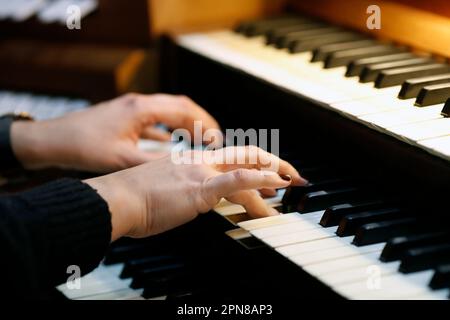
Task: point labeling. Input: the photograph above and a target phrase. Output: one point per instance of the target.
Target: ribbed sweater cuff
(7, 159)
(77, 224)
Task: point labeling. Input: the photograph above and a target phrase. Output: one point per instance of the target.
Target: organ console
(363, 114)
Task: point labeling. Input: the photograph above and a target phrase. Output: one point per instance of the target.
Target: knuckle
(241, 175)
(252, 148)
(132, 99)
(185, 101)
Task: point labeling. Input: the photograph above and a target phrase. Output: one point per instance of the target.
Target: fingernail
(286, 177)
(304, 181)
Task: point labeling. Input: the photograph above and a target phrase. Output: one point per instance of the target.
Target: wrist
(25, 143)
(33, 145)
(111, 190)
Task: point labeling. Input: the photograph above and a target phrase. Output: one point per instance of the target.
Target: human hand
(104, 138)
(161, 195)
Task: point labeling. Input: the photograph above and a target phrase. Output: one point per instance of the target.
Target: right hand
(161, 195)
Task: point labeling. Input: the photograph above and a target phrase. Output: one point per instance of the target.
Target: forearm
(49, 228)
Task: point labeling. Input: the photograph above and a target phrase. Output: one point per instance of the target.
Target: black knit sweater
(45, 230)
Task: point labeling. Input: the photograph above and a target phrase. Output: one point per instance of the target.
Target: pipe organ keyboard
(338, 229)
(380, 85)
(346, 234)
(372, 223)
(40, 107)
(46, 11)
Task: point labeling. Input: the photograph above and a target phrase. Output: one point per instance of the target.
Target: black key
(289, 40)
(263, 28)
(342, 58)
(132, 266)
(382, 231)
(370, 73)
(167, 285)
(260, 27)
(434, 94)
(333, 215)
(130, 251)
(272, 36)
(355, 67)
(424, 258)
(349, 224)
(446, 110)
(321, 53)
(294, 195)
(320, 200)
(317, 174)
(441, 277)
(396, 77)
(143, 276)
(395, 248)
(310, 44)
(411, 88)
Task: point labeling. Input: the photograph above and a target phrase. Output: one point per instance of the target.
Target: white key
(338, 87)
(396, 286)
(342, 264)
(359, 273)
(294, 72)
(7, 8)
(371, 105)
(441, 145)
(404, 116)
(226, 208)
(104, 279)
(124, 294)
(27, 9)
(312, 246)
(216, 50)
(86, 7)
(334, 253)
(298, 226)
(270, 221)
(309, 235)
(53, 11)
(442, 294)
(7, 103)
(25, 104)
(424, 130)
(106, 286)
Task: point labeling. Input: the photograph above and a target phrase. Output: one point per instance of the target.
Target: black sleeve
(47, 229)
(7, 158)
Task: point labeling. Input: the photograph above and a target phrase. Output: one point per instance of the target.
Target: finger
(226, 184)
(255, 206)
(155, 134)
(268, 192)
(175, 112)
(252, 157)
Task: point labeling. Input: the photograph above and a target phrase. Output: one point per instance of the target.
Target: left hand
(104, 138)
